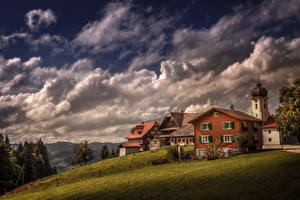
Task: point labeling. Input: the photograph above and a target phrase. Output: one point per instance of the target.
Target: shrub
(213, 150)
(172, 153)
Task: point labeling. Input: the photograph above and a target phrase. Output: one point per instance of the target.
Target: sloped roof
(233, 113)
(270, 122)
(186, 129)
(177, 118)
(145, 127)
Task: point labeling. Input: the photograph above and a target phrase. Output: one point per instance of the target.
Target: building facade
(139, 138)
(225, 125)
(175, 130)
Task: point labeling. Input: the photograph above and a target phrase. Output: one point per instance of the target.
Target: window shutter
(232, 125)
(222, 138)
(209, 126)
(202, 126)
(233, 139)
(224, 125)
(200, 139)
(210, 138)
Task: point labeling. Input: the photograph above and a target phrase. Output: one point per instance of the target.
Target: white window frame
(206, 123)
(228, 124)
(206, 140)
(225, 137)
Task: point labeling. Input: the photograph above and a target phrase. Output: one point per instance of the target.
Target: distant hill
(61, 153)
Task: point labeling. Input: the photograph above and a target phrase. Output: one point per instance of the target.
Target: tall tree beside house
(288, 112)
(7, 140)
(6, 169)
(82, 153)
(104, 152)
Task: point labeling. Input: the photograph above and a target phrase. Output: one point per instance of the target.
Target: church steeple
(259, 101)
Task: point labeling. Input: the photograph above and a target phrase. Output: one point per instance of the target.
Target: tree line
(83, 153)
(28, 162)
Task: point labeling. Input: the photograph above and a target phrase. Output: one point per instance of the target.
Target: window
(228, 125)
(255, 115)
(179, 140)
(216, 114)
(244, 125)
(265, 106)
(270, 139)
(191, 140)
(227, 138)
(205, 138)
(255, 126)
(206, 126)
(270, 131)
(183, 140)
(256, 106)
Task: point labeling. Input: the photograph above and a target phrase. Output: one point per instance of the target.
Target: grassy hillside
(267, 175)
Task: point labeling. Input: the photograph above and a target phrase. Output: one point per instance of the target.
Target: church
(272, 137)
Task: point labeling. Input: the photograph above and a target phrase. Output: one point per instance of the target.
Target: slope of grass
(266, 175)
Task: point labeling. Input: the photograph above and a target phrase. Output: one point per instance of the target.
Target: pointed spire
(258, 80)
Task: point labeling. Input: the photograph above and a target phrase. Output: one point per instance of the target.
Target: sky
(90, 70)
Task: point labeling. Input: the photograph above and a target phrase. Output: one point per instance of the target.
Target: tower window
(265, 105)
(270, 139)
(256, 106)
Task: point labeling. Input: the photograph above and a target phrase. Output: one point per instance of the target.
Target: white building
(272, 138)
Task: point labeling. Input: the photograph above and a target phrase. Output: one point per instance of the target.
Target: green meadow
(264, 175)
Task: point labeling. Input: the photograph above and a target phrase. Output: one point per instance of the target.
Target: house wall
(124, 151)
(271, 136)
(181, 141)
(154, 144)
(217, 130)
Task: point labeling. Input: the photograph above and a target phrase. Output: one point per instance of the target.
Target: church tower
(260, 102)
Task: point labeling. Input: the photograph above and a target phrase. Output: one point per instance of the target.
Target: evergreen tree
(1, 138)
(6, 173)
(104, 152)
(82, 153)
(7, 140)
(112, 152)
(288, 112)
(54, 170)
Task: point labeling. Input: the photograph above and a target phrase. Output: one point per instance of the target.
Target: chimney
(181, 111)
(231, 107)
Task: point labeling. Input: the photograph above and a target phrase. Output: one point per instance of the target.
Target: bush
(159, 161)
(172, 153)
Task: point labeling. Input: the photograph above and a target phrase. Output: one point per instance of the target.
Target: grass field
(266, 175)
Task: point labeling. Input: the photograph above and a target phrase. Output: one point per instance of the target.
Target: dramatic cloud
(37, 18)
(213, 66)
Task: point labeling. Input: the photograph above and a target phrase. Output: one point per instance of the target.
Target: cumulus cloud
(215, 66)
(37, 18)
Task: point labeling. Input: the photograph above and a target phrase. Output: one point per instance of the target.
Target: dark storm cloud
(203, 67)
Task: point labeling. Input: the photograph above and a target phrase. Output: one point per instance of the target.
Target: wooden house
(225, 125)
(174, 130)
(139, 138)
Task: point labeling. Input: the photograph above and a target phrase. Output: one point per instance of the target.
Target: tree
(6, 173)
(288, 112)
(214, 149)
(7, 140)
(54, 170)
(82, 153)
(104, 152)
(242, 141)
(1, 138)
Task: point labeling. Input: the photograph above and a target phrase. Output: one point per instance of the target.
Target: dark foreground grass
(266, 175)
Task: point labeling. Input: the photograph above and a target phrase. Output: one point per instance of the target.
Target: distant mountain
(61, 153)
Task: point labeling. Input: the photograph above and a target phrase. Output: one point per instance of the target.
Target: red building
(225, 125)
(139, 138)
